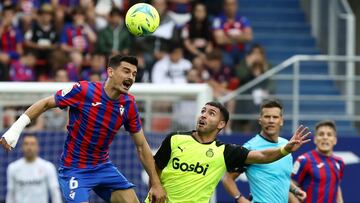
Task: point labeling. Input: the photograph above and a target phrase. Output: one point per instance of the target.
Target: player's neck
(273, 138)
(30, 159)
(204, 138)
(325, 153)
(111, 92)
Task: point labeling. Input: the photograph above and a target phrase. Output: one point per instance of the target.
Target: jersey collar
(266, 138)
(192, 135)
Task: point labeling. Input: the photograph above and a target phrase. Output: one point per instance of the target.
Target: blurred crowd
(204, 41)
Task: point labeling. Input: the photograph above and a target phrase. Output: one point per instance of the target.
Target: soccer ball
(142, 19)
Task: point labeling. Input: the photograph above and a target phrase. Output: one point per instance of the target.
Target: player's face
(210, 120)
(271, 121)
(123, 76)
(30, 147)
(325, 139)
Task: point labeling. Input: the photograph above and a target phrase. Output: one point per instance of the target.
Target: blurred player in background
(191, 164)
(31, 178)
(96, 112)
(268, 182)
(318, 171)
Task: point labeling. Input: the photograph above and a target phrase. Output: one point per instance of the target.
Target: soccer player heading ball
(191, 164)
(97, 110)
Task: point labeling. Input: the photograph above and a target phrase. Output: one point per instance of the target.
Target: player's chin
(124, 90)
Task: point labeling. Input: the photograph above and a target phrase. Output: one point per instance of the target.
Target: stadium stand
(280, 26)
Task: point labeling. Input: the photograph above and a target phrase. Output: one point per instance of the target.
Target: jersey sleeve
(163, 154)
(299, 169)
(235, 157)
(342, 167)
(133, 123)
(68, 96)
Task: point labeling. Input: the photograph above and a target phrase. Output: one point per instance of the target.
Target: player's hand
(6, 146)
(157, 194)
(300, 194)
(298, 139)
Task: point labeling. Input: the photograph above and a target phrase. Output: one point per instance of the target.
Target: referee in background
(268, 182)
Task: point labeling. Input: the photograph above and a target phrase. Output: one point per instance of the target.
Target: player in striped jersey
(96, 112)
(319, 172)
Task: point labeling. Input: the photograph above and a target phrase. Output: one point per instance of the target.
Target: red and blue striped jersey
(94, 119)
(319, 176)
(239, 25)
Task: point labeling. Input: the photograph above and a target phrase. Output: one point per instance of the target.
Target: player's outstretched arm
(157, 192)
(339, 197)
(11, 136)
(270, 155)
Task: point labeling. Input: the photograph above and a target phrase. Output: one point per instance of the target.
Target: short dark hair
(78, 10)
(9, 7)
(224, 112)
(271, 103)
(116, 60)
(329, 123)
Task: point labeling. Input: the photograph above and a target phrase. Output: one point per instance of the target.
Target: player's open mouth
(127, 84)
(201, 123)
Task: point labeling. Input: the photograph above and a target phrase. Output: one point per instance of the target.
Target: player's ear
(110, 72)
(259, 120)
(221, 125)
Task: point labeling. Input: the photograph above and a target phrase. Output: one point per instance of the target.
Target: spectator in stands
(11, 38)
(143, 71)
(42, 38)
(61, 75)
(197, 34)
(31, 179)
(221, 79)
(180, 11)
(78, 36)
(97, 68)
(63, 12)
(193, 76)
(23, 69)
(74, 67)
(27, 11)
(256, 54)
(114, 39)
(95, 77)
(231, 32)
(252, 66)
(171, 68)
(58, 60)
(155, 46)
